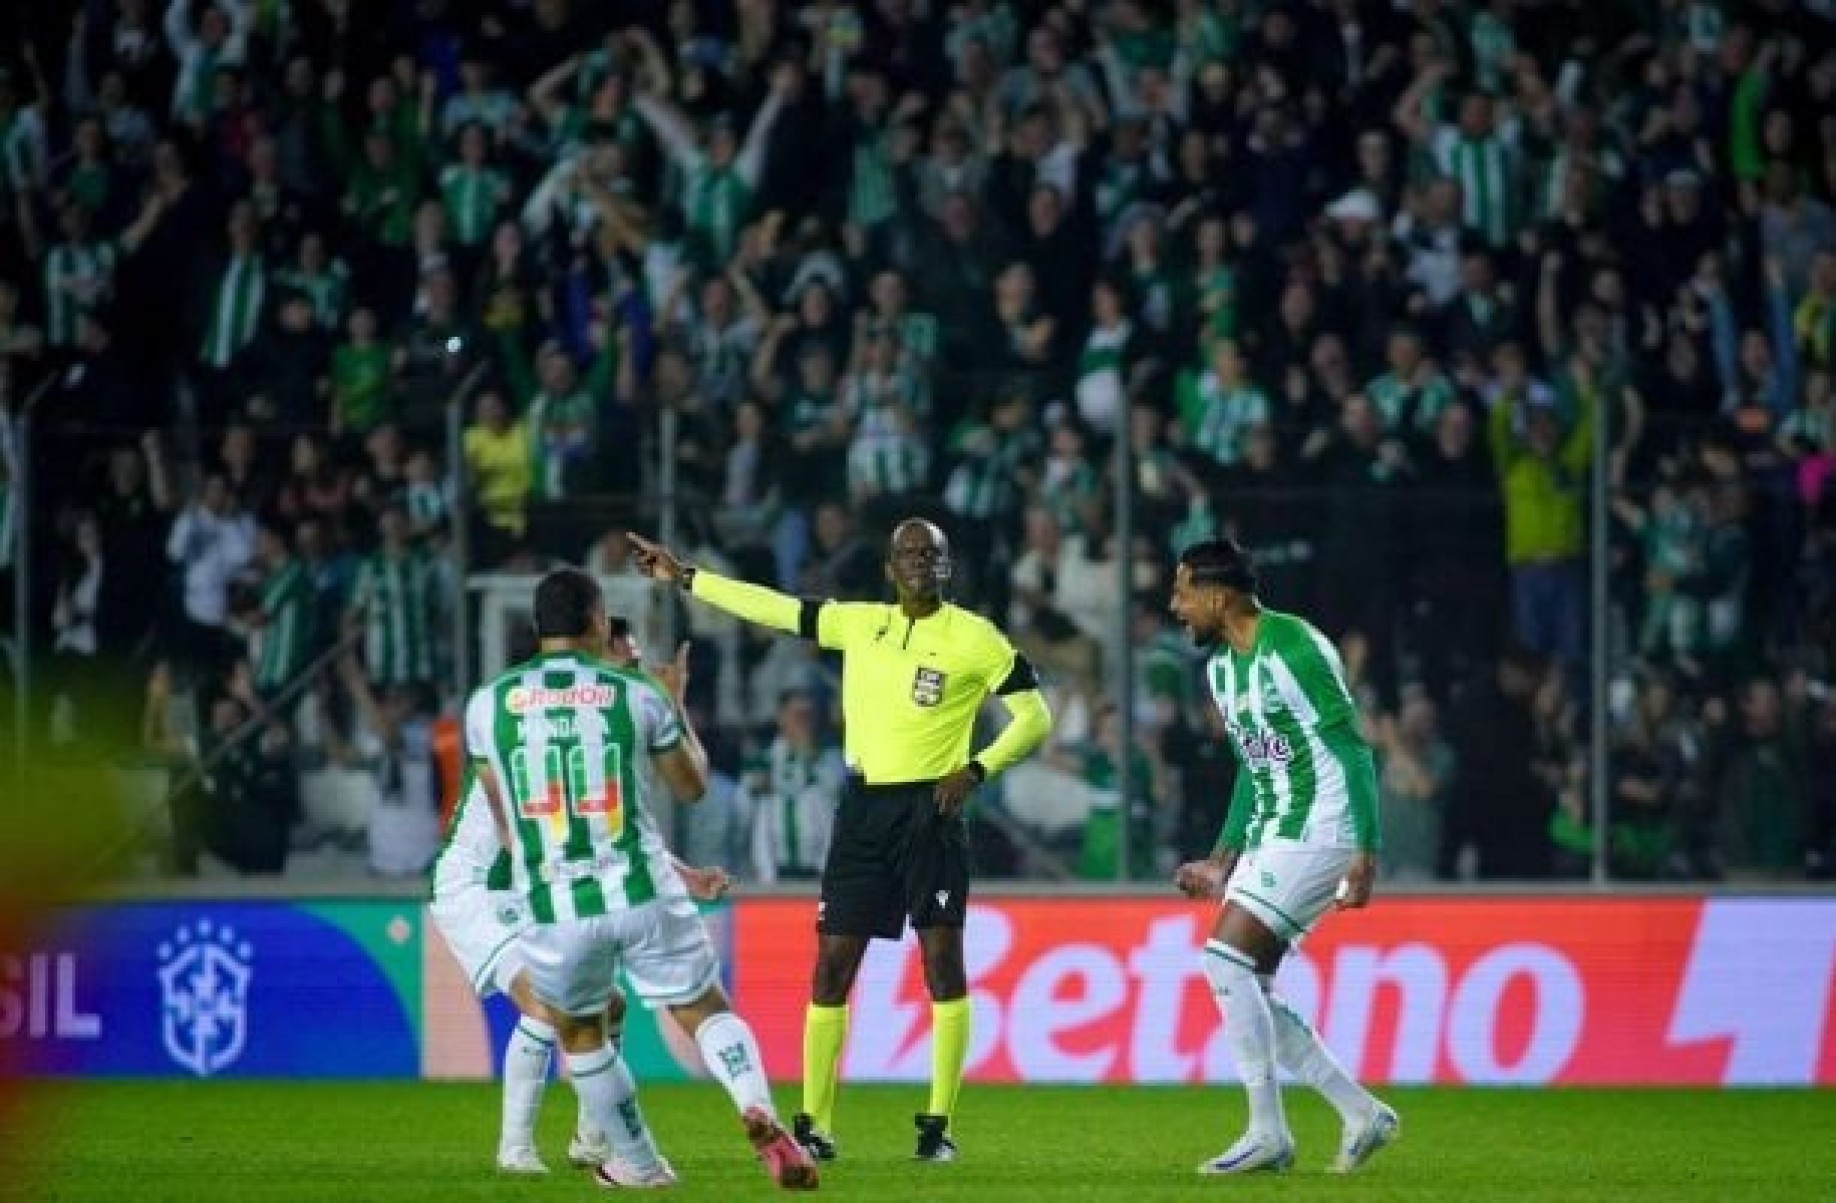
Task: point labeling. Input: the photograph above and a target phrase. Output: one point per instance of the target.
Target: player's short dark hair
(564, 604)
(1220, 562)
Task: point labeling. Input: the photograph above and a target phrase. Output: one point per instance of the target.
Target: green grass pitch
(358, 1142)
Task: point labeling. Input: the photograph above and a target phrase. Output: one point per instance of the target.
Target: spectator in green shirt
(361, 399)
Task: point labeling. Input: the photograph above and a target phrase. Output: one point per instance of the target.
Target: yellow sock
(949, 1045)
(825, 1030)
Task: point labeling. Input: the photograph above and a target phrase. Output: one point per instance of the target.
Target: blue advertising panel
(203, 989)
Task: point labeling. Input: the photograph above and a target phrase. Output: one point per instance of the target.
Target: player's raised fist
(1199, 879)
(705, 885)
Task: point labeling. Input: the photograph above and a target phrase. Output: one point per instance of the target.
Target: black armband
(807, 617)
(1020, 677)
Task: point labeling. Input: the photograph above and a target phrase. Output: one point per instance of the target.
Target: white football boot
(1362, 1142)
(588, 1149)
(520, 1159)
(1255, 1152)
(618, 1173)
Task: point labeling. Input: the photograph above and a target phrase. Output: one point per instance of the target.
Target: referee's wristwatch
(685, 578)
(981, 773)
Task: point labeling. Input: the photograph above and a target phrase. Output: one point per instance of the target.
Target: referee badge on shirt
(928, 687)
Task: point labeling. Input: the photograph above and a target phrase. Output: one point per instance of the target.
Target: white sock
(1302, 1053)
(1251, 1029)
(527, 1057)
(608, 1100)
(615, 1040)
(732, 1057)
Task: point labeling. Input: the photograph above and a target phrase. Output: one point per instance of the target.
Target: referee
(914, 674)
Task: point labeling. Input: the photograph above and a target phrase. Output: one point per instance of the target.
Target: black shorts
(893, 856)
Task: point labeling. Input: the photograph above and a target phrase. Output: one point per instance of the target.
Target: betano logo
(524, 698)
(1485, 990)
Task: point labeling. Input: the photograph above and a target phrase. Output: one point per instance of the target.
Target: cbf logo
(204, 996)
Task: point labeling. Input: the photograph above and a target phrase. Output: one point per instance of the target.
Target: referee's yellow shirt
(911, 687)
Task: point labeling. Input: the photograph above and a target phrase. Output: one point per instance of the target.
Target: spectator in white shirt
(211, 543)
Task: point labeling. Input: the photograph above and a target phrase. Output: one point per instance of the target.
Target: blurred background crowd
(330, 314)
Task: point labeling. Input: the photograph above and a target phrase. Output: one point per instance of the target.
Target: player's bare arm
(674, 676)
(684, 768)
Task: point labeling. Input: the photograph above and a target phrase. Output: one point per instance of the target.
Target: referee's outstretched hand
(654, 560)
(952, 791)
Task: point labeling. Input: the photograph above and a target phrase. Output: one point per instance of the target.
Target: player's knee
(1227, 969)
(833, 979)
(578, 1034)
(943, 973)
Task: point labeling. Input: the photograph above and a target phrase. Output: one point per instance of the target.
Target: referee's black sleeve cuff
(806, 617)
(1020, 677)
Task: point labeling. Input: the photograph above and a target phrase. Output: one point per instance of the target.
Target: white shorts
(482, 928)
(1289, 886)
(662, 947)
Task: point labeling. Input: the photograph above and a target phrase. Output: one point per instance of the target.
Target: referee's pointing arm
(914, 673)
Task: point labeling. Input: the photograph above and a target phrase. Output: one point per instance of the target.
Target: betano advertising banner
(1507, 991)
(1518, 991)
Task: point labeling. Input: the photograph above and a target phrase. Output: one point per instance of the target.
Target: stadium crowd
(1364, 284)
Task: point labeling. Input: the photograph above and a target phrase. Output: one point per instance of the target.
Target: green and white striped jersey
(563, 735)
(286, 633)
(79, 277)
(887, 466)
(473, 197)
(1408, 408)
(872, 194)
(327, 288)
(399, 598)
(1305, 773)
(792, 797)
(1217, 418)
(471, 854)
(235, 310)
(1487, 169)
